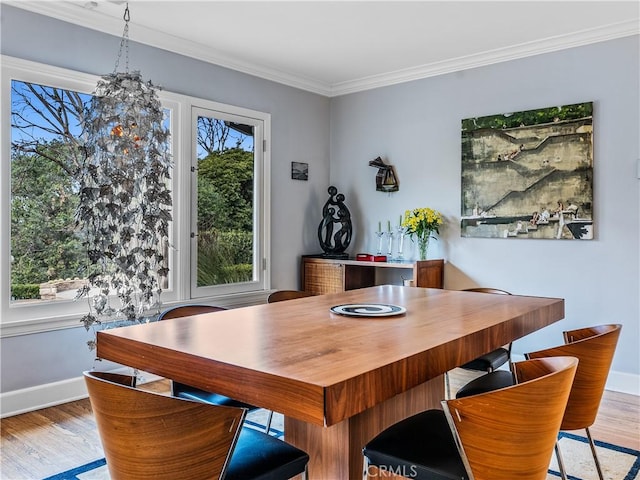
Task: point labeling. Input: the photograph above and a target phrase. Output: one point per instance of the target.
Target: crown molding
(102, 21)
(538, 47)
(98, 20)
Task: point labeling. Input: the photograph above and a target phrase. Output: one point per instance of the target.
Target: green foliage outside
(43, 194)
(225, 217)
(225, 191)
(529, 117)
(25, 291)
(44, 244)
(224, 257)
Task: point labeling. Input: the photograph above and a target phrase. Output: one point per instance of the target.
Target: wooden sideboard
(327, 275)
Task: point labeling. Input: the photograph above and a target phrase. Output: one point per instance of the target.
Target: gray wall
(300, 132)
(416, 127)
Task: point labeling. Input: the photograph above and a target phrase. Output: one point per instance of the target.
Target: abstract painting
(529, 174)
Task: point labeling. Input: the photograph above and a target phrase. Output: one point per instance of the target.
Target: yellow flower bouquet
(421, 223)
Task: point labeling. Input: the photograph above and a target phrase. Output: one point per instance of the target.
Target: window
(46, 151)
(226, 255)
(219, 237)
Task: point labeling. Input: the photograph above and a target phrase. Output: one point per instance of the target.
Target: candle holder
(379, 234)
(400, 234)
(390, 244)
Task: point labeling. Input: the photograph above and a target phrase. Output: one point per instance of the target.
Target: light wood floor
(49, 441)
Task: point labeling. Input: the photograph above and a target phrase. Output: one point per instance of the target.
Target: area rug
(618, 463)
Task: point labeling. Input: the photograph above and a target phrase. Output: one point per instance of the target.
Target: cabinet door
(321, 277)
(357, 276)
(429, 273)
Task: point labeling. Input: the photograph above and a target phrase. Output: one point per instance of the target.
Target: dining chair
(481, 437)
(192, 393)
(492, 360)
(147, 435)
(594, 347)
(281, 295)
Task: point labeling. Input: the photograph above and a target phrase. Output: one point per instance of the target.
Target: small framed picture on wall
(299, 171)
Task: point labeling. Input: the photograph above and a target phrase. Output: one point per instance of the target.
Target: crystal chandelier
(125, 201)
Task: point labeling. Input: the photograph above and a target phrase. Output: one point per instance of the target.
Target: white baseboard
(51, 394)
(56, 393)
(41, 396)
(624, 383)
(616, 381)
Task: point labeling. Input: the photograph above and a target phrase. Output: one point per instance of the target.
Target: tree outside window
(225, 202)
(47, 150)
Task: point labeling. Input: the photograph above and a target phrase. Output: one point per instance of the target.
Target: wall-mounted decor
(529, 174)
(299, 171)
(386, 179)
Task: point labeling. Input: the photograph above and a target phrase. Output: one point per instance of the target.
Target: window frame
(46, 316)
(259, 256)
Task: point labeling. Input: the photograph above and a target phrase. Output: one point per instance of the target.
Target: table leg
(336, 452)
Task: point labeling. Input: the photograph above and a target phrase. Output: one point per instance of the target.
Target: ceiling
(338, 47)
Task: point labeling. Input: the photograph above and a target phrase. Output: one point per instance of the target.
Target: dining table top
(303, 360)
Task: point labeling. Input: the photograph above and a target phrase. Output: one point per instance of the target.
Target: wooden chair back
(119, 378)
(146, 435)
(510, 433)
(282, 295)
(594, 347)
(487, 290)
(187, 311)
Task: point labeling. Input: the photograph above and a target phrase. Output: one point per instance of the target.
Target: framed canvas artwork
(529, 174)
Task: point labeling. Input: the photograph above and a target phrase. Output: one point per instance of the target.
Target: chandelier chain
(124, 42)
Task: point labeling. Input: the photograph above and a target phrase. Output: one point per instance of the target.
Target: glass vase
(423, 246)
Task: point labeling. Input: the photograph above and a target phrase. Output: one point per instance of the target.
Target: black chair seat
(259, 456)
(489, 361)
(181, 390)
(487, 383)
(191, 393)
(424, 442)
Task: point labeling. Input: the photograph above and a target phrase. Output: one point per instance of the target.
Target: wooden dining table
(338, 380)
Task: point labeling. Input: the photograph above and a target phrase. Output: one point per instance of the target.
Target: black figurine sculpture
(334, 231)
